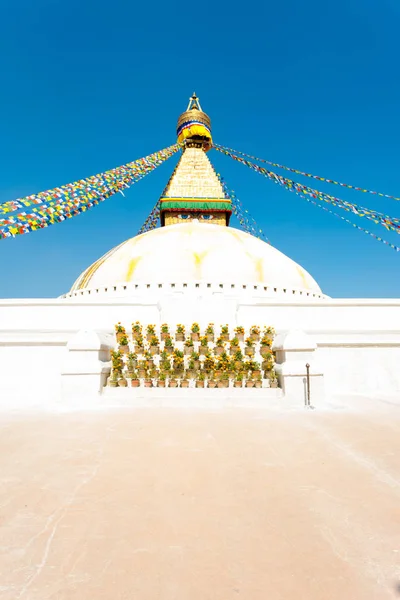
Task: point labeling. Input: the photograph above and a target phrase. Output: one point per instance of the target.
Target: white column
(294, 350)
(86, 367)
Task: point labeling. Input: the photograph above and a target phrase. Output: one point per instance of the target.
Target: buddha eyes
(205, 217)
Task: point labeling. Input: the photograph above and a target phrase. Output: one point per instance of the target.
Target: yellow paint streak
(303, 277)
(258, 266)
(133, 263)
(198, 259)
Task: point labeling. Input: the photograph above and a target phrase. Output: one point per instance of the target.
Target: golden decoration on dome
(194, 126)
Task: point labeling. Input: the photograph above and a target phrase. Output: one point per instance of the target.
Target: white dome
(196, 252)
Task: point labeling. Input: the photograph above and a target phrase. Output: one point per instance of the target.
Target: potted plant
(212, 383)
(210, 332)
(191, 371)
(234, 345)
(196, 359)
(265, 348)
(165, 365)
(238, 380)
(203, 349)
(136, 330)
(132, 361)
(200, 380)
(113, 379)
(119, 331)
(154, 347)
(209, 363)
(273, 380)
(150, 332)
(268, 335)
(168, 345)
(124, 345)
(135, 380)
(116, 360)
(184, 382)
(139, 347)
(239, 333)
(255, 333)
(255, 369)
(220, 346)
(161, 380)
(195, 329)
(149, 359)
(189, 346)
(249, 350)
(257, 380)
(122, 382)
(224, 380)
(142, 369)
(238, 360)
(178, 361)
(148, 383)
(249, 383)
(180, 333)
(173, 383)
(225, 333)
(164, 331)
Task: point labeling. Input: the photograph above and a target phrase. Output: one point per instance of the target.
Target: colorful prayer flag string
(152, 220)
(324, 179)
(390, 223)
(72, 199)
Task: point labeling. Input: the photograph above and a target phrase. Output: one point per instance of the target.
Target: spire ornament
(194, 127)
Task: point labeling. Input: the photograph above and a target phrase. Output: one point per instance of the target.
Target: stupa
(195, 246)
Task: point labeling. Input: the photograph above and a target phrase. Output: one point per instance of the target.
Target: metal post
(308, 384)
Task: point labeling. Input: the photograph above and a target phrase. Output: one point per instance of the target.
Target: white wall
(358, 340)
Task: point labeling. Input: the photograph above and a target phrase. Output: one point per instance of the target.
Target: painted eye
(184, 216)
(207, 217)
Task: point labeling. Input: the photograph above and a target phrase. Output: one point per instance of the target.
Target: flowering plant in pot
(184, 381)
(113, 379)
(209, 362)
(168, 345)
(239, 333)
(178, 361)
(122, 382)
(149, 359)
(249, 350)
(225, 333)
(164, 331)
(255, 333)
(238, 380)
(136, 330)
(119, 331)
(265, 348)
(180, 333)
(273, 380)
(139, 348)
(189, 346)
(257, 381)
(165, 365)
(249, 383)
(210, 332)
(148, 382)
(234, 345)
(142, 369)
(224, 380)
(116, 360)
(124, 345)
(154, 347)
(172, 383)
(238, 360)
(191, 373)
(219, 346)
(203, 345)
(195, 356)
(161, 379)
(150, 331)
(255, 369)
(195, 329)
(212, 382)
(132, 361)
(200, 380)
(135, 379)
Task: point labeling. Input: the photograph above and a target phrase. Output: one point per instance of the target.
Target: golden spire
(194, 126)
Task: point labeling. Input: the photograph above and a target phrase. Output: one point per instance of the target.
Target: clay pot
(122, 383)
(218, 374)
(273, 384)
(249, 383)
(199, 384)
(161, 383)
(240, 336)
(257, 384)
(210, 337)
(124, 349)
(184, 383)
(203, 350)
(188, 350)
(135, 383)
(249, 351)
(255, 337)
(212, 383)
(149, 336)
(233, 350)
(148, 383)
(139, 349)
(223, 383)
(195, 337)
(256, 374)
(112, 383)
(237, 384)
(142, 373)
(164, 336)
(197, 364)
(173, 383)
(264, 350)
(154, 350)
(180, 337)
(119, 336)
(218, 350)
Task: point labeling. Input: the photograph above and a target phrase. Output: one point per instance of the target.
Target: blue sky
(87, 86)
